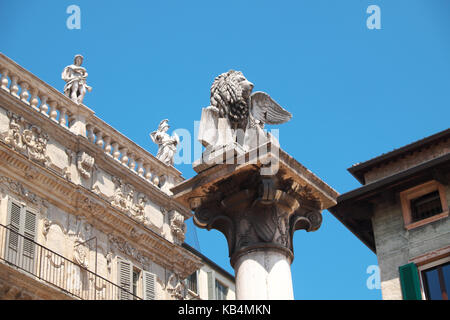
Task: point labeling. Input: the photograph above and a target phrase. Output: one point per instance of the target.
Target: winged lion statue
(236, 115)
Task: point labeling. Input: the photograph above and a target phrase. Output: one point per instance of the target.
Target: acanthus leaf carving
(260, 212)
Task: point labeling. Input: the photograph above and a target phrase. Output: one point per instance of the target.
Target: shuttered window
(149, 285)
(410, 283)
(21, 247)
(125, 279)
(128, 282)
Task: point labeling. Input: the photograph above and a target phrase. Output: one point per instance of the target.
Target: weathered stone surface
(236, 115)
(258, 204)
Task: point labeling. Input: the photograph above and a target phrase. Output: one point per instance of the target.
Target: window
(134, 285)
(191, 282)
(221, 291)
(423, 204)
(21, 233)
(436, 282)
(136, 276)
(426, 206)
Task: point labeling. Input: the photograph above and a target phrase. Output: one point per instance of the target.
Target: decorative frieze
(117, 243)
(23, 193)
(26, 138)
(127, 201)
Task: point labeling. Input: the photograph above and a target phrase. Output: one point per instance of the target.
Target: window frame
(196, 283)
(427, 267)
(22, 232)
(410, 194)
(140, 285)
(139, 282)
(216, 289)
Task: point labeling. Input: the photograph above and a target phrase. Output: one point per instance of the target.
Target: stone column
(264, 274)
(258, 214)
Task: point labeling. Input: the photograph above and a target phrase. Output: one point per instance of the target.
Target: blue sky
(354, 93)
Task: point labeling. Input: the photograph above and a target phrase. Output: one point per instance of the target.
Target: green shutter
(409, 280)
(149, 282)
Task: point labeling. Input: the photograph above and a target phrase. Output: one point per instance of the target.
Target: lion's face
(230, 93)
(245, 85)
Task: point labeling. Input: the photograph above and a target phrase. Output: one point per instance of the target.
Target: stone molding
(77, 200)
(117, 243)
(85, 164)
(24, 194)
(74, 142)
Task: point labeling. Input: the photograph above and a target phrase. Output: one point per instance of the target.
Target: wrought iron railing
(46, 265)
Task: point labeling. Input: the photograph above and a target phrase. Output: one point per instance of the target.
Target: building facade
(210, 282)
(85, 213)
(401, 214)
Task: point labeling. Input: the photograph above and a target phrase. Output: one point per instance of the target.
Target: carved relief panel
(26, 138)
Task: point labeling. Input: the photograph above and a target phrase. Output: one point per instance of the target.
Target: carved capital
(254, 211)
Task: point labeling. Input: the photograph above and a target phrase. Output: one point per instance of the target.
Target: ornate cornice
(77, 200)
(76, 144)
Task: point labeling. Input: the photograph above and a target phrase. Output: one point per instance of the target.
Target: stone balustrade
(42, 97)
(82, 121)
(130, 155)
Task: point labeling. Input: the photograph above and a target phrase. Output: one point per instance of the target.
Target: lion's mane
(226, 95)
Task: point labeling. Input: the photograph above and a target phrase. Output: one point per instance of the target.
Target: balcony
(56, 271)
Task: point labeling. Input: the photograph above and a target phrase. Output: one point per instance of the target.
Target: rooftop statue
(75, 77)
(167, 144)
(236, 116)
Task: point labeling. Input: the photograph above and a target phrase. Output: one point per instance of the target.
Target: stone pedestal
(257, 201)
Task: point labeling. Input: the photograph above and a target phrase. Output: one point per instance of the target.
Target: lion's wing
(266, 110)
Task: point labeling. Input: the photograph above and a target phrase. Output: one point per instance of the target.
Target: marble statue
(75, 77)
(167, 144)
(236, 115)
